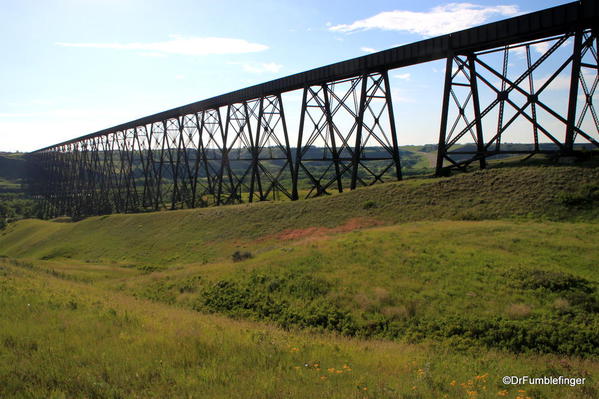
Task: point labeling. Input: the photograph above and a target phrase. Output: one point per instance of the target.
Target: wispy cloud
(153, 54)
(181, 45)
(266, 67)
(540, 48)
(439, 20)
(561, 81)
(367, 49)
(16, 115)
(399, 96)
(403, 76)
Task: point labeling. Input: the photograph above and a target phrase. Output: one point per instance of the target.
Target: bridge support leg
(480, 143)
(360, 122)
(298, 148)
(441, 149)
(393, 129)
(574, 79)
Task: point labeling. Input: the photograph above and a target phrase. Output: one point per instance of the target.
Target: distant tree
(6, 213)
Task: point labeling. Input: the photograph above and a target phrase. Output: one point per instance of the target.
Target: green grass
(423, 279)
(209, 234)
(66, 339)
(9, 185)
(418, 286)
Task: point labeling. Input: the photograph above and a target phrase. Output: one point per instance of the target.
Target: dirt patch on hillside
(311, 232)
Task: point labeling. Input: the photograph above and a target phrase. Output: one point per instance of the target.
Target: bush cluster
(278, 298)
(238, 256)
(549, 280)
(586, 196)
(300, 300)
(575, 336)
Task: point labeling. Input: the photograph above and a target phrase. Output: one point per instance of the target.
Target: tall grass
(64, 339)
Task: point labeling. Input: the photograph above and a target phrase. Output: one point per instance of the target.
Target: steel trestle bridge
(237, 148)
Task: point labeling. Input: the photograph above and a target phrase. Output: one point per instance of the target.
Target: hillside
(421, 288)
(552, 193)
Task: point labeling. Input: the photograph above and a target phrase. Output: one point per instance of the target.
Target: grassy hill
(416, 289)
(200, 235)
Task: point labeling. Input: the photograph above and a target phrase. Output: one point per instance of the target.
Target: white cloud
(539, 48)
(152, 54)
(367, 49)
(439, 20)
(542, 47)
(519, 51)
(16, 115)
(182, 46)
(269, 67)
(179, 77)
(403, 76)
(561, 81)
(398, 96)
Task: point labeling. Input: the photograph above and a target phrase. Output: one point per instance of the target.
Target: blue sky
(73, 67)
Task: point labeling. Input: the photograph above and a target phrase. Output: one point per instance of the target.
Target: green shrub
(278, 298)
(549, 280)
(292, 299)
(585, 196)
(370, 204)
(238, 256)
(577, 337)
(296, 285)
(147, 269)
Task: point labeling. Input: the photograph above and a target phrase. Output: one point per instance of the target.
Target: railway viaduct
(236, 147)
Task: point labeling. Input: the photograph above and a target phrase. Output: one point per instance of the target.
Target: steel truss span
(237, 148)
(239, 153)
(486, 102)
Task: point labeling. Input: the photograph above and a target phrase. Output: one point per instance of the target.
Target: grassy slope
(62, 339)
(423, 278)
(417, 268)
(204, 235)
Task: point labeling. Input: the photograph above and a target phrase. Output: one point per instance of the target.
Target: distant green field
(417, 289)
